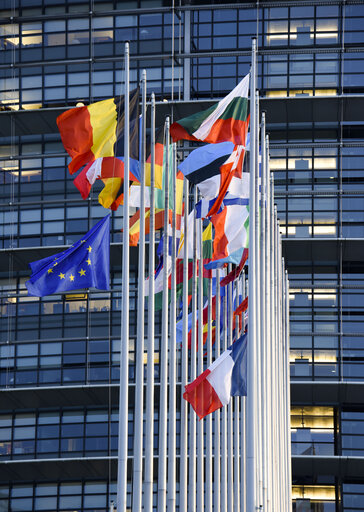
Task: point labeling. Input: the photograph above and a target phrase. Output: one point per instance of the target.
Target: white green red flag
(225, 121)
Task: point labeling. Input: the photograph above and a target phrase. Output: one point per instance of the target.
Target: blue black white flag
(85, 264)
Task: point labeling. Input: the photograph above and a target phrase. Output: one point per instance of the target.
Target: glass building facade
(59, 355)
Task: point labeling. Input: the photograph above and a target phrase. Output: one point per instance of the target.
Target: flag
(159, 207)
(85, 264)
(97, 130)
(226, 377)
(111, 171)
(233, 167)
(231, 235)
(236, 272)
(224, 121)
(134, 224)
(205, 162)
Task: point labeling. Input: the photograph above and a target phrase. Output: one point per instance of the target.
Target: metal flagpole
(200, 424)
(163, 353)
(243, 430)
(288, 396)
(251, 385)
(184, 410)
(124, 345)
(268, 329)
(236, 428)
(258, 376)
(208, 421)
(284, 380)
(230, 475)
(217, 415)
(192, 443)
(276, 362)
(139, 377)
(262, 306)
(224, 475)
(172, 352)
(149, 433)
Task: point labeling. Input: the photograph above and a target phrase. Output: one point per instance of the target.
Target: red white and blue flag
(226, 377)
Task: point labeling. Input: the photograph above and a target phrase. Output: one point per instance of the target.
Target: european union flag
(85, 264)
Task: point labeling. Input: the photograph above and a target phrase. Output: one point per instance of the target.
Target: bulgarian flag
(224, 121)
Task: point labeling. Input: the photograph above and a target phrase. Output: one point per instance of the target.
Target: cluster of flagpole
(237, 458)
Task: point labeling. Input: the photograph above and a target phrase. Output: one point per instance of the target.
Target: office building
(59, 355)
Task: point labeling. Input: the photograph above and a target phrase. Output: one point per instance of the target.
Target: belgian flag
(97, 130)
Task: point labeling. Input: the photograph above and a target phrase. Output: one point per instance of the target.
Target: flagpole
(288, 395)
(149, 434)
(139, 377)
(268, 328)
(251, 385)
(200, 424)
(243, 429)
(208, 477)
(192, 444)
(263, 286)
(184, 411)
(217, 415)
(258, 375)
(224, 473)
(230, 494)
(124, 345)
(237, 426)
(172, 352)
(163, 353)
(276, 361)
(273, 347)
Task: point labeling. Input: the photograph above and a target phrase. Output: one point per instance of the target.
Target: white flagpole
(229, 317)
(258, 375)
(149, 439)
(243, 430)
(200, 424)
(172, 352)
(139, 377)
(217, 414)
(224, 472)
(251, 366)
(276, 361)
(262, 305)
(268, 330)
(288, 396)
(208, 477)
(184, 411)
(163, 354)
(124, 346)
(236, 429)
(192, 444)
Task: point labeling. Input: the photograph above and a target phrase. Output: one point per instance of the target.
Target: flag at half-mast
(83, 265)
(226, 377)
(93, 136)
(225, 121)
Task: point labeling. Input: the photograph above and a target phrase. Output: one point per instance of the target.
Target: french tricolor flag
(226, 377)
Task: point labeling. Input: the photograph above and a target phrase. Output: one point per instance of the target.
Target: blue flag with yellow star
(85, 264)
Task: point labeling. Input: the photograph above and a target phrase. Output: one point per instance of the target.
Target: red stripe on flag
(237, 270)
(77, 136)
(220, 241)
(202, 396)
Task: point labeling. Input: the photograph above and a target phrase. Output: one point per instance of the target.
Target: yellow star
(50, 270)
(72, 278)
(82, 272)
(54, 264)
(83, 241)
(62, 276)
(89, 248)
(88, 261)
